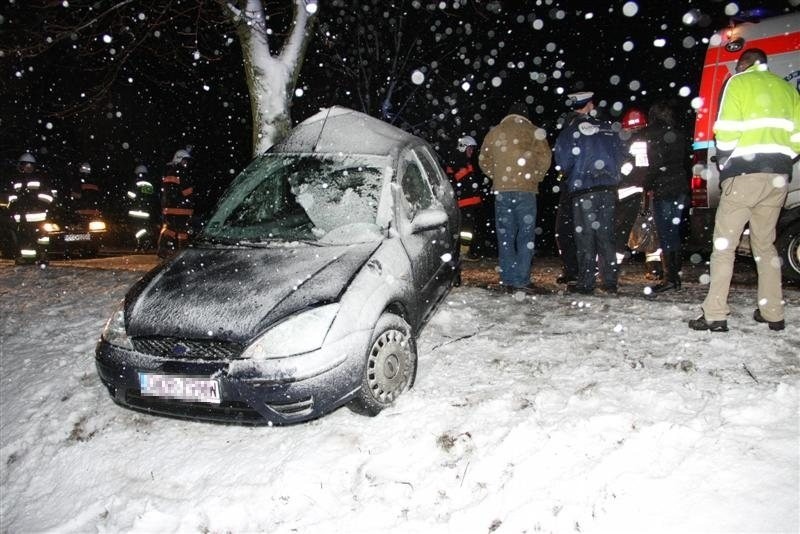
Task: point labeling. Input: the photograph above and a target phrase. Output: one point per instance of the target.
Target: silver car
(305, 291)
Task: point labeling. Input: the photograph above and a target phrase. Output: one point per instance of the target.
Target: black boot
(653, 270)
(672, 280)
(675, 268)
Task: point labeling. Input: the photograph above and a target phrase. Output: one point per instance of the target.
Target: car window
(415, 186)
(432, 169)
(323, 198)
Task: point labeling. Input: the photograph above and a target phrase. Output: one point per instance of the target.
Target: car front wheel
(788, 245)
(390, 367)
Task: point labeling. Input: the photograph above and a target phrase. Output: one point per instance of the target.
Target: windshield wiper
(215, 242)
(276, 242)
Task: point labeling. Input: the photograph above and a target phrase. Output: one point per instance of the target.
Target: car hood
(232, 295)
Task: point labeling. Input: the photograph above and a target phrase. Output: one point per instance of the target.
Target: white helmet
(27, 157)
(85, 168)
(140, 169)
(465, 142)
(181, 155)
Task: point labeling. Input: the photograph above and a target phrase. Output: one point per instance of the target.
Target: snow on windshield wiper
(277, 242)
(216, 241)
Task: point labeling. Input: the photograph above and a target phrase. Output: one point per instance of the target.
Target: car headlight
(114, 331)
(36, 217)
(50, 227)
(301, 333)
(97, 226)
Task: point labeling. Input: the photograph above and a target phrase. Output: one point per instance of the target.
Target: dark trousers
(174, 233)
(669, 214)
(593, 217)
(475, 219)
(565, 237)
(624, 216)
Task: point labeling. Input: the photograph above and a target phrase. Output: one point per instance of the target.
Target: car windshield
(324, 199)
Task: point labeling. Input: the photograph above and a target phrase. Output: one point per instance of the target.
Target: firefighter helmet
(465, 142)
(27, 157)
(634, 119)
(181, 155)
(85, 168)
(140, 169)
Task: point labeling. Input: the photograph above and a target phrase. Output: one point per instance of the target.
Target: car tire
(788, 245)
(390, 366)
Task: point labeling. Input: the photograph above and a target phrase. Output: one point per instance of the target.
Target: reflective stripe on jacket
(466, 187)
(178, 211)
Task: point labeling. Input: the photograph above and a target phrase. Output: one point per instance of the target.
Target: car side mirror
(428, 219)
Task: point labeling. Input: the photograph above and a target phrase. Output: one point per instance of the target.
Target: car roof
(340, 130)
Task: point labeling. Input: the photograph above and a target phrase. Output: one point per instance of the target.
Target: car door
(429, 248)
(442, 190)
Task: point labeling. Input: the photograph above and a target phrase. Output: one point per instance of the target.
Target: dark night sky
(162, 98)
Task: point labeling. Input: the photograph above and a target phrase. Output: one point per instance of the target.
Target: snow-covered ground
(530, 414)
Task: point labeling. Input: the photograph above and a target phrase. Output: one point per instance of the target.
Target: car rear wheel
(390, 367)
(788, 245)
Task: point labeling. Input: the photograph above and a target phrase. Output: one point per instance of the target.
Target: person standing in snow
(565, 229)
(177, 206)
(29, 202)
(85, 192)
(758, 137)
(30, 178)
(515, 155)
(668, 182)
(631, 197)
(589, 153)
(143, 208)
(471, 188)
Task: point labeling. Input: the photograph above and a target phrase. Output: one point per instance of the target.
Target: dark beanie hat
(518, 108)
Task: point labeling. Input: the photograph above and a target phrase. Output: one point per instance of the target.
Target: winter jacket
(142, 199)
(758, 127)
(32, 182)
(667, 176)
(469, 183)
(635, 165)
(85, 195)
(515, 155)
(176, 192)
(590, 154)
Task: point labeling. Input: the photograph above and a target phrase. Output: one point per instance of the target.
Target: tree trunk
(271, 79)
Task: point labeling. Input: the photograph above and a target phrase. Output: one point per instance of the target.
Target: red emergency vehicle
(779, 38)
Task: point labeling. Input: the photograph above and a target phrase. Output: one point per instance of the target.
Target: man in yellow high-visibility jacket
(757, 137)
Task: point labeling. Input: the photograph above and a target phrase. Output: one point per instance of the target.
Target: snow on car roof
(341, 130)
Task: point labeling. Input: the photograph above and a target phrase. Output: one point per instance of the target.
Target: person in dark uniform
(143, 208)
(29, 202)
(631, 197)
(177, 205)
(85, 193)
(589, 152)
(565, 229)
(472, 188)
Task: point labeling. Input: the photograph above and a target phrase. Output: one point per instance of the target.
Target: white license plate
(77, 237)
(179, 387)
